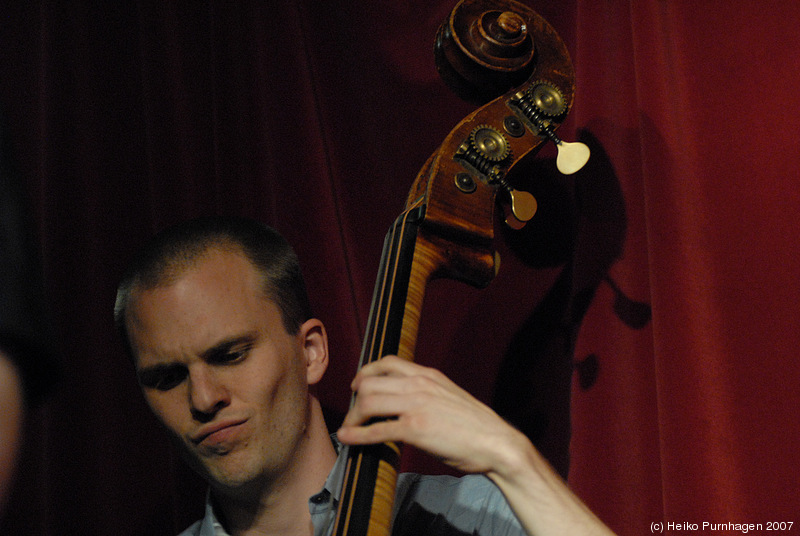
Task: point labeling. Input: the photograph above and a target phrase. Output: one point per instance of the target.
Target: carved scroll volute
(486, 49)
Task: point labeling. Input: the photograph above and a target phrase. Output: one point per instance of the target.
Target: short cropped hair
(171, 252)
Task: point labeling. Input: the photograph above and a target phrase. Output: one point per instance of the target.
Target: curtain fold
(709, 247)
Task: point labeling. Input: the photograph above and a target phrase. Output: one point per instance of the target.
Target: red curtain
(642, 329)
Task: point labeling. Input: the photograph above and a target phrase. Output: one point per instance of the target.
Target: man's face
(220, 371)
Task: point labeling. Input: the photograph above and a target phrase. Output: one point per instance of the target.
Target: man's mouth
(215, 434)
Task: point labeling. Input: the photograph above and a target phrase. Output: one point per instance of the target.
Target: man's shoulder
(448, 505)
(451, 487)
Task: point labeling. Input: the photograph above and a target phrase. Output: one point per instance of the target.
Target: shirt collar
(333, 484)
(210, 525)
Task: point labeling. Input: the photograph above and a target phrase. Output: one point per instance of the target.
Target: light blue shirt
(430, 505)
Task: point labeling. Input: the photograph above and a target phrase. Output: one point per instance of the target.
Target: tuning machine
(541, 104)
(487, 151)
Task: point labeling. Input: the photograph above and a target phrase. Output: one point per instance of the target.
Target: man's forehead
(207, 302)
(213, 266)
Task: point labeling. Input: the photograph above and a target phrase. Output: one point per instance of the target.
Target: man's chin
(240, 484)
(223, 467)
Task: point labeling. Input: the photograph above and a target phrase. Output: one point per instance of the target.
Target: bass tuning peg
(523, 207)
(523, 204)
(541, 103)
(572, 156)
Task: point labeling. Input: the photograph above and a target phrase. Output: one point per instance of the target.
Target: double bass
(503, 54)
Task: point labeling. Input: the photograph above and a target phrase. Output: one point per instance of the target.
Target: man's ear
(314, 340)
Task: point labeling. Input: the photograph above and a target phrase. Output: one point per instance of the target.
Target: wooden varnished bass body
(486, 48)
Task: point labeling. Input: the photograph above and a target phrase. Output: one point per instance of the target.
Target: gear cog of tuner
(490, 143)
(547, 98)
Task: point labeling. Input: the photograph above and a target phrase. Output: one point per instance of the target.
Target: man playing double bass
(215, 317)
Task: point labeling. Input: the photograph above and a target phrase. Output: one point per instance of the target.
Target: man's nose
(207, 394)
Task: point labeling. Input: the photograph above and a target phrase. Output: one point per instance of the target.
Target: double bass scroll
(496, 50)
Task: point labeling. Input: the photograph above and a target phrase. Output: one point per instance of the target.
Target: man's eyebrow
(219, 350)
(225, 346)
(157, 366)
(148, 373)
